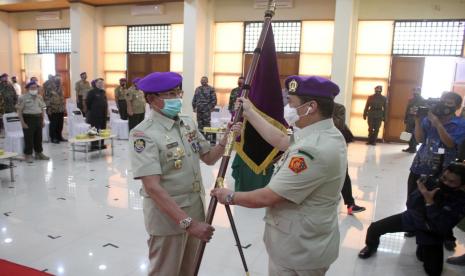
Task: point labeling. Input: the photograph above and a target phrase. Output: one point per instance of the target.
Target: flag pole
(219, 183)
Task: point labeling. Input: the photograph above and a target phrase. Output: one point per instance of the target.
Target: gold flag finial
(271, 8)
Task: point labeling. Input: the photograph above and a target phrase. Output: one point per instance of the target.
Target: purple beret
(4, 75)
(311, 86)
(159, 82)
(30, 83)
(122, 79)
(136, 80)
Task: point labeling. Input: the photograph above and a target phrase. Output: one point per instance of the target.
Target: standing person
(203, 103)
(55, 102)
(10, 98)
(16, 86)
(166, 152)
(82, 87)
(375, 110)
(301, 231)
(432, 211)
(409, 120)
(235, 93)
(339, 118)
(120, 98)
(135, 100)
(31, 114)
(97, 109)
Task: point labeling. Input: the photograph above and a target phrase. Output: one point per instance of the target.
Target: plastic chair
(118, 126)
(76, 123)
(46, 129)
(14, 136)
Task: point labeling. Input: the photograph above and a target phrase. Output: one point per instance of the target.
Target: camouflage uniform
(81, 87)
(375, 110)
(203, 103)
(120, 98)
(10, 98)
(55, 102)
(235, 93)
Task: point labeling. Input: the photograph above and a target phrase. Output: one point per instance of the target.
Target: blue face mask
(172, 107)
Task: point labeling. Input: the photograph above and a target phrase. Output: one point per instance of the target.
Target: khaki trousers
(277, 270)
(172, 255)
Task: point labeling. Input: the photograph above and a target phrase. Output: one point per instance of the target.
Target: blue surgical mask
(172, 107)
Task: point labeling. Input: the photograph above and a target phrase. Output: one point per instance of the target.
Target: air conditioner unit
(50, 15)
(263, 4)
(147, 10)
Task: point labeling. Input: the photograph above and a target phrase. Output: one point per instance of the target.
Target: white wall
(411, 9)
(121, 15)
(9, 51)
(243, 10)
(27, 21)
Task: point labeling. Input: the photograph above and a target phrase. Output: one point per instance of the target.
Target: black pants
(98, 123)
(430, 255)
(80, 105)
(56, 125)
(123, 109)
(373, 128)
(347, 190)
(135, 119)
(32, 134)
(412, 182)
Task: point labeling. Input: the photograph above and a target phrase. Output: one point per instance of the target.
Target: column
(345, 25)
(197, 52)
(9, 52)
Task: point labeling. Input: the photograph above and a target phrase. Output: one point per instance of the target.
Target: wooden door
(406, 74)
(288, 65)
(62, 69)
(140, 65)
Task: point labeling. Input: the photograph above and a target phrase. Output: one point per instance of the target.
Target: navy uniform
(30, 109)
(409, 119)
(171, 148)
(203, 103)
(375, 111)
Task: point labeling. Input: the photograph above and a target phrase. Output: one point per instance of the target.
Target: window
(286, 36)
(52, 41)
(428, 38)
(149, 39)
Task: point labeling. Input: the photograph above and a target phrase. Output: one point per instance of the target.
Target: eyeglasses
(171, 94)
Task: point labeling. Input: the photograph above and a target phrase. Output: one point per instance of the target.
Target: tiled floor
(84, 218)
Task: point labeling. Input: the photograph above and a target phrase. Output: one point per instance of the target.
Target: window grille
(52, 41)
(286, 36)
(149, 39)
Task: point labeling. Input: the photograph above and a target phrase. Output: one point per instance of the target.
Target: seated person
(432, 211)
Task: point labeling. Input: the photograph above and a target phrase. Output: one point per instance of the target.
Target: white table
(9, 156)
(87, 141)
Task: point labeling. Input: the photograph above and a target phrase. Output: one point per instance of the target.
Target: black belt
(32, 115)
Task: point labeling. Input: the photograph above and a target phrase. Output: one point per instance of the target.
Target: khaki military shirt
(302, 233)
(82, 87)
(137, 100)
(171, 149)
(120, 93)
(29, 104)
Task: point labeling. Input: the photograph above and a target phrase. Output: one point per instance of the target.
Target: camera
(437, 107)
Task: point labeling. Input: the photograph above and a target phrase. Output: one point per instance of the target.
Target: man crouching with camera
(432, 211)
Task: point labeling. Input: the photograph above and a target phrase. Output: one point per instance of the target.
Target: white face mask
(291, 115)
(33, 92)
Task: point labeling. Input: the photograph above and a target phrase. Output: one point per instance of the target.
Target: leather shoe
(459, 260)
(409, 234)
(55, 141)
(366, 252)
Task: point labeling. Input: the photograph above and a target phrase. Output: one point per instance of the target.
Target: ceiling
(43, 5)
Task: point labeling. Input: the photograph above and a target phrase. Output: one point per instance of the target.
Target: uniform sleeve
(214, 100)
(144, 156)
(367, 105)
(298, 177)
(128, 95)
(19, 105)
(194, 99)
(41, 103)
(459, 133)
(203, 143)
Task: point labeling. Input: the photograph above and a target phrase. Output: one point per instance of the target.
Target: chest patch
(297, 164)
(139, 145)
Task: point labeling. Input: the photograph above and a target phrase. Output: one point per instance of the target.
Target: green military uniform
(81, 87)
(120, 98)
(172, 149)
(136, 100)
(235, 93)
(375, 110)
(302, 234)
(203, 102)
(9, 96)
(32, 108)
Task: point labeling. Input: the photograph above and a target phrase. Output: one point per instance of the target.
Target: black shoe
(55, 141)
(366, 252)
(406, 150)
(352, 209)
(63, 139)
(450, 245)
(409, 234)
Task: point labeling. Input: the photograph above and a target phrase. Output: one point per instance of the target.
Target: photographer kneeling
(432, 211)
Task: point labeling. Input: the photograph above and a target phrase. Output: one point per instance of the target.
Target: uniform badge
(297, 164)
(293, 86)
(178, 164)
(195, 147)
(139, 145)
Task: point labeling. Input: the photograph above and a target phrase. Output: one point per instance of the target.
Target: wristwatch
(185, 223)
(229, 198)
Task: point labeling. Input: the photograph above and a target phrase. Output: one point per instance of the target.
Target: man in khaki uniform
(135, 100)
(55, 102)
(30, 109)
(165, 155)
(82, 87)
(120, 98)
(301, 232)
